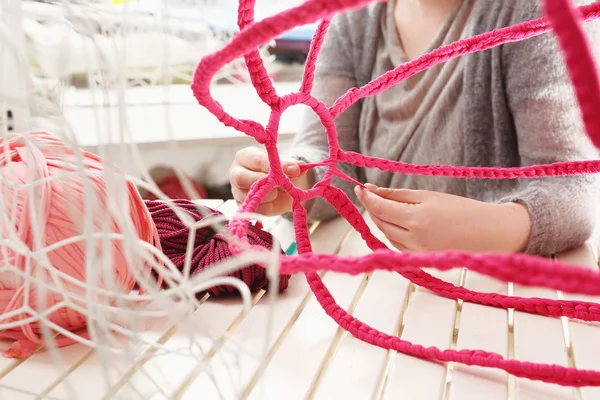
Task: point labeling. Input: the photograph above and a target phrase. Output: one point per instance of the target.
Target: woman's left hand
(424, 221)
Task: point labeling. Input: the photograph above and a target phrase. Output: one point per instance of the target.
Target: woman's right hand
(251, 164)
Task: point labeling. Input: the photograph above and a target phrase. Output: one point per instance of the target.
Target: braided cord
(560, 17)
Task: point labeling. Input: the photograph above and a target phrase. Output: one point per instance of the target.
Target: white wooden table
(308, 356)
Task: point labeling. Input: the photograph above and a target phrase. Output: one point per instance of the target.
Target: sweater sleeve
(549, 129)
(334, 76)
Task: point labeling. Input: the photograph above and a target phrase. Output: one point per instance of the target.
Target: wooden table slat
(90, 364)
(430, 322)
(584, 335)
(327, 239)
(311, 337)
(359, 362)
(215, 318)
(539, 339)
(484, 328)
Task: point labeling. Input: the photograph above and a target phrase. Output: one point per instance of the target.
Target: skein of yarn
(45, 199)
(210, 247)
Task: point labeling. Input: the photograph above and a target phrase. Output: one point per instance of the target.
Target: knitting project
(564, 20)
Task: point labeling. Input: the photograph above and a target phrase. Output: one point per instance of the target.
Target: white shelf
(155, 115)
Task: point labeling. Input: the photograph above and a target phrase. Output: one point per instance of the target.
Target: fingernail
(357, 190)
(292, 170)
(370, 186)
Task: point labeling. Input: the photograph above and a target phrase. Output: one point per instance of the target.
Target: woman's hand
(251, 164)
(427, 221)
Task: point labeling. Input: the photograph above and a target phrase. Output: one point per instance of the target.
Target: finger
(281, 205)
(263, 209)
(291, 168)
(391, 231)
(253, 159)
(271, 196)
(399, 246)
(401, 195)
(398, 237)
(387, 210)
(243, 178)
(257, 160)
(240, 195)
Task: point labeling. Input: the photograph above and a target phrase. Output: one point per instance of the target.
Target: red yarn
(172, 187)
(210, 247)
(564, 20)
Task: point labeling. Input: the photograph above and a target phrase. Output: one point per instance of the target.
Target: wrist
(515, 221)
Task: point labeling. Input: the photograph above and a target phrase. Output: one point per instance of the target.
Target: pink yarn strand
(582, 68)
(258, 73)
(542, 372)
(528, 172)
(311, 60)
(517, 268)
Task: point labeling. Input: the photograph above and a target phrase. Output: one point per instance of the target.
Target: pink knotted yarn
(564, 20)
(45, 199)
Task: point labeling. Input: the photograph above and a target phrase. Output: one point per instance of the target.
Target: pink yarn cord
(520, 269)
(582, 68)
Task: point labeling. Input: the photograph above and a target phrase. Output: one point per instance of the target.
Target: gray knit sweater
(517, 108)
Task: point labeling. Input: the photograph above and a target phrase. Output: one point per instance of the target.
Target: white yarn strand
(94, 54)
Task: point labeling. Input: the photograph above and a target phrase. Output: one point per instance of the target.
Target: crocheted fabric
(564, 20)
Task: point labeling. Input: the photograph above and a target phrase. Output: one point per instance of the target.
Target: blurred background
(112, 72)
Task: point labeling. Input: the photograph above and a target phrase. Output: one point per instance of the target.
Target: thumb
(291, 168)
(399, 195)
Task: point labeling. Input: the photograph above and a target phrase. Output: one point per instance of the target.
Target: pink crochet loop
(560, 17)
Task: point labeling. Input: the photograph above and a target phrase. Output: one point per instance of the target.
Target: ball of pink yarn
(58, 212)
